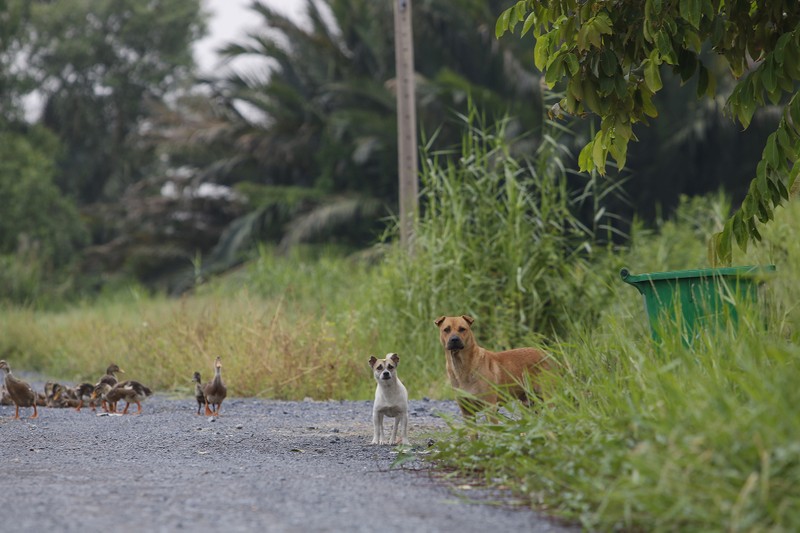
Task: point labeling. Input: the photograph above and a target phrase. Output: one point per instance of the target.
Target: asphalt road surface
(261, 466)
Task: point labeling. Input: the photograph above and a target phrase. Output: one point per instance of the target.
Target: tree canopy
(609, 54)
(98, 65)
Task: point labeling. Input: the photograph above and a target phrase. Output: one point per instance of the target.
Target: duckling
(5, 399)
(129, 391)
(199, 395)
(84, 390)
(215, 390)
(41, 399)
(109, 379)
(56, 394)
(99, 393)
(64, 396)
(20, 392)
(110, 376)
(49, 393)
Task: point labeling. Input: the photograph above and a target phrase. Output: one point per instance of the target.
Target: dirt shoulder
(262, 465)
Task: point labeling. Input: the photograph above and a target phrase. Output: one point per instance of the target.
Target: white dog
(391, 399)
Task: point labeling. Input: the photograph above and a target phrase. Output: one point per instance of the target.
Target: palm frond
(330, 217)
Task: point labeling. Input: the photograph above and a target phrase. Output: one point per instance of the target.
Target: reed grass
(663, 438)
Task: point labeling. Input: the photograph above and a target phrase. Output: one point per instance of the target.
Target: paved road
(262, 466)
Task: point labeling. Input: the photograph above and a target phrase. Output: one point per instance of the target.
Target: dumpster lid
(740, 271)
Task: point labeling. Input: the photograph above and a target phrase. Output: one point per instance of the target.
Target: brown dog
(482, 373)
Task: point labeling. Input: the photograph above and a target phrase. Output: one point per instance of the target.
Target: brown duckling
(215, 390)
(199, 395)
(64, 396)
(20, 392)
(57, 395)
(49, 393)
(84, 390)
(129, 392)
(5, 399)
(109, 379)
(99, 393)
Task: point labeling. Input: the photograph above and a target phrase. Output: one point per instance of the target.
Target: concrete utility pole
(406, 120)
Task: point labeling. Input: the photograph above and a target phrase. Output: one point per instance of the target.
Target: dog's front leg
(377, 422)
(403, 418)
(393, 439)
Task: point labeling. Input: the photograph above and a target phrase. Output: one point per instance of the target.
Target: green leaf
(572, 63)
(621, 87)
(590, 99)
(608, 62)
(691, 11)
(664, 45)
(593, 36)
(785, 142)
(746, 104)
(794, 113)
(599, 153)
(529, 22)
(619, 150)
(652, 77)
(541, 51)
(722, 245)
(702, 80)
(502, 22)
(585, 163)
(769, 79)
(687, 65)
(740, 231)
(554, 71)
(772, 153)
(782, 189)
(780, 47)
(647, 103)
(603, 24)
(752, 231)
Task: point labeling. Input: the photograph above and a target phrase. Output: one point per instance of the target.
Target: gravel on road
(262, 465)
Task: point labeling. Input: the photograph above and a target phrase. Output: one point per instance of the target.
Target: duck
(50, 392)
(215, 390)
(199, 395)
(99, 392)
(5, 399)
(129, 392)
(84, 390)
(56, 394)
(63, 396)
(109, 379)
(20, 392)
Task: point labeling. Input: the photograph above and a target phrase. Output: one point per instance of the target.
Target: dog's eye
(379, 367)
(390, 367)
(462, 329)
(447, 329)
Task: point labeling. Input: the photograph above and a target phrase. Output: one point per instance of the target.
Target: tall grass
(498, 239)
(284, 330)
(635, 437)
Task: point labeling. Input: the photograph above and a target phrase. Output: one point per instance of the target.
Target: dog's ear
(439, 321)
(394, 357)
(372, 361)
(468, 318)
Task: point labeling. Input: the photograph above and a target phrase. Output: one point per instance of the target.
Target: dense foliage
(611, 55)
(177, 179)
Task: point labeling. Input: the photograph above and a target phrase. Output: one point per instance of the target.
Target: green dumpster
(684, 301)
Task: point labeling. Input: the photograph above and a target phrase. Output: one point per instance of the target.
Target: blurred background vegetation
(137, 169)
